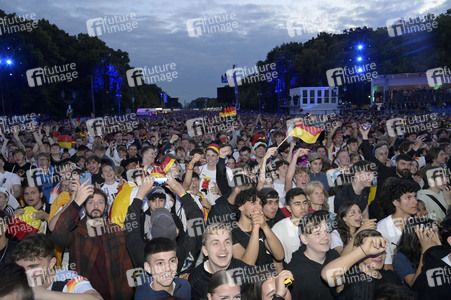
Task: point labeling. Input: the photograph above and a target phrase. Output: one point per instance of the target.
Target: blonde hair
(214, 229)
(309, 190)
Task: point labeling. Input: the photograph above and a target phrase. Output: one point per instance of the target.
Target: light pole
(8, 62)
(259, 102)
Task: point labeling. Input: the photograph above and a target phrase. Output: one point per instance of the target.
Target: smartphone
(366, 126)
(428, 139)
(160, 180)
(85, 177)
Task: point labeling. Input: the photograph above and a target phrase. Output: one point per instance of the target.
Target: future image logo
(439, 276)
(152, 75)
(438, 76)
(399, 126)
(10, 25)
(49, 75)
(401, 26)
(348, 75)
(237, 76)
(311, 26)
(137, 277)
(113, 24)
(103, 126)
(210, 25)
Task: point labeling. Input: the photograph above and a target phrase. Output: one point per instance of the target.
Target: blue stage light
(9, 62)
(360, 47)
(359, 58)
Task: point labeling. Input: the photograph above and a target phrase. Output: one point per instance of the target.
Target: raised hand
(374, 245)
(84, 192)
(224, 151)
(258, 220)
(427, 237)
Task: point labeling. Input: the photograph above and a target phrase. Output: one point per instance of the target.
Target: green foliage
(47, 45)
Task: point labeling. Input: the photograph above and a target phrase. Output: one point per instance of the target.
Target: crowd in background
(251, 212)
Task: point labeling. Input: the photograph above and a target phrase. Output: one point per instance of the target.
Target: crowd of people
(250, 212)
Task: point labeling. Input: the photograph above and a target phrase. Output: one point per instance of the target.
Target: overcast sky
(162, 37)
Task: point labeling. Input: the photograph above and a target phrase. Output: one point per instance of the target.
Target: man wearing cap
(259, 153)
(334, 141)
(270, 205)
(4, 198)
(162, 224)
(207, 174)
(315, 161)
(253, 241)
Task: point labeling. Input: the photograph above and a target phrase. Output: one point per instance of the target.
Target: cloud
(162, 34)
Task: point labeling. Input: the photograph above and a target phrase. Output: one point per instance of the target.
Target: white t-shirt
(204, 174)
(389, 231)
(336, 240)
(77, 284)
(435, 212)
(7, 180)
(280, 188)
(111, 191)
(288, 235)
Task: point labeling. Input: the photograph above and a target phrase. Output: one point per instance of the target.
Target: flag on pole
(308, 134)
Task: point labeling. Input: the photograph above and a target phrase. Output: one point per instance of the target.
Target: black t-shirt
(358, 285)
(348, 194)
(199, 279)
(22, 172)
(5, 253)
(240, 237)
(308, 283)
(97, 178)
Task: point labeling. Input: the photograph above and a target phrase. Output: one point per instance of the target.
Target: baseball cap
(258, 144)
(269, 193)
(155, 190)
(314, 156)
(163, 224)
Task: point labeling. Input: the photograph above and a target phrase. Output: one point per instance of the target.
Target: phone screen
(85, 177)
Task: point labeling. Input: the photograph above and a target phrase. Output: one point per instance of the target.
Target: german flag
(228, 112)
(65, 141)
(308, 134)
(24, 224)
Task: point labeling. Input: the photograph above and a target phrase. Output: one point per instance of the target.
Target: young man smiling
(35, 254)
(287, 230)
(161, 263)
(308, 262)
(217, 247)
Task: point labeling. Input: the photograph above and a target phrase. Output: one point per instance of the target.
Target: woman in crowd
(349, 223)
(418, 236)
(222, 287)
(317, 196)
(272, 288)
